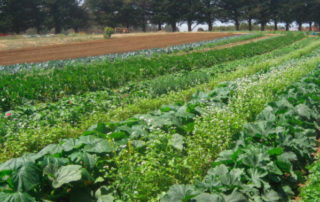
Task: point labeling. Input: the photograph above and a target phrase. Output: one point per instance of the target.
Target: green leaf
(235, 196)
(275, 151)
(100, 127)
(83, 158)
(51, 150)
(205, 197)
(100, 147)
(67, 174)
(177, 142)
(16, 163)
(103, 195)
(180, 193)
(16, 197)
(271, 196)
(304, 111)
(26, 178)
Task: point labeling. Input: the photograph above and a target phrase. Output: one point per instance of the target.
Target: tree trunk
(250, 24)
(159, 26)
(237, 24)
(276, 25)
(189, 25)
(57, 29)
(263, 26)
(144, 27)
(310, 26)
(174, 26)
(210, 27)
(300, 26)
(287, 26)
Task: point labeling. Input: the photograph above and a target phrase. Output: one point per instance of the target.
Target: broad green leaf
(16, 197)
(180, 193)
(177, 142)
(275, 151)
(100, 127)
(26, 178)
(103, 195)
(51, 150)
(205, 197)
(235, 196)
(83, 158)
(304, 111)
(271, 196)
(67, 174)
(16, 163)
(100, 147)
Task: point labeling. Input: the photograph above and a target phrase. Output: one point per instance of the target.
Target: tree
(232, 11)
(248, 11)
(60, 14)
(263, 12)
(157, 15)
(173, 12)
(209, 11)
(191, 12)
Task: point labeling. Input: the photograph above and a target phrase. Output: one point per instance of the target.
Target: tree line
(17, 16)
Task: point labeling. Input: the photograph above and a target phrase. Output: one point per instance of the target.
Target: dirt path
(102, 47)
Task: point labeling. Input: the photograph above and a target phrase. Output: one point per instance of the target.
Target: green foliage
(53, 117)
(52, 85)
(107, 32)
(269, 152)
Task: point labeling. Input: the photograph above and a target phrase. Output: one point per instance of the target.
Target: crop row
(31, 128)
(268, 159)
(52, 85)
(111, 57)
(96, 161)
(141, 176)
(310, 191)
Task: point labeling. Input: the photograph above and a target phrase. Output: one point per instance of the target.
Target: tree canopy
(17, 16)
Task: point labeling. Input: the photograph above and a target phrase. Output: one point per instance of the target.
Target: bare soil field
(102, 47)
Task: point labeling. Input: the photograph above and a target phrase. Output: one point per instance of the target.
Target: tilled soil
(102, 47)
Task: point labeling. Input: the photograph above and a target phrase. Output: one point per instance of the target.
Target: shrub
(108, 31)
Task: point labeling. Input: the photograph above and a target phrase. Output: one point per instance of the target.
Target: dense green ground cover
(30, 128)
(53, 84)
(96, 165)
(310, 192)
(267, 159)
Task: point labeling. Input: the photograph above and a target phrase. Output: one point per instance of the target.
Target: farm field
(224, 118)
(101, 47)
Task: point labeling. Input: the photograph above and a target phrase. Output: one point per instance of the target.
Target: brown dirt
(102, 47)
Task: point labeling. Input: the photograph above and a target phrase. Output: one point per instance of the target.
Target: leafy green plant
(107, 32)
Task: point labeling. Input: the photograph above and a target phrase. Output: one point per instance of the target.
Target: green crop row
(310, 192)
(52, 85)
(270, 154)
(143, 176)
(71, 109)
(232, 40)
(27, 129)
(86, 168)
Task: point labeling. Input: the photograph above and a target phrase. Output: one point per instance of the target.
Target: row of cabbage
(267, 161)
(30, 128)
(52, 85)
(94, 166)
